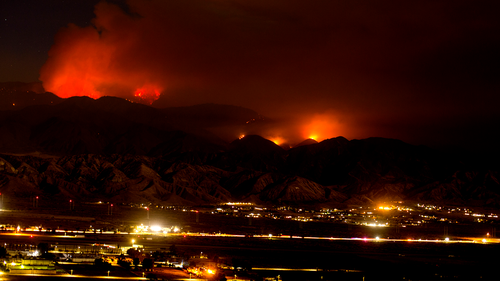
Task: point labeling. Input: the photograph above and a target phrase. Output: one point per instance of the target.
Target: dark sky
(426, 72)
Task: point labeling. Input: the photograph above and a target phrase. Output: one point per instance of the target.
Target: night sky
(425, 72)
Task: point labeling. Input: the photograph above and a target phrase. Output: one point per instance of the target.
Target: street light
(108, 273)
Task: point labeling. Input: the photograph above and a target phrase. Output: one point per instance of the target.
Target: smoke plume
(111, 57)
(330, 68)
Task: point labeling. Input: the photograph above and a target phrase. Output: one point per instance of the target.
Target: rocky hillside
(335, 171)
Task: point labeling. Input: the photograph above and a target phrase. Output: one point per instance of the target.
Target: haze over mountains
(114, 150)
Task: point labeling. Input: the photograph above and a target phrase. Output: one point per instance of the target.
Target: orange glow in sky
(321, 127)
(277, 140)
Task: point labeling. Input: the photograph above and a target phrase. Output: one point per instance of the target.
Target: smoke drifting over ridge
(191, 55)
(422, 72)
(97, 60)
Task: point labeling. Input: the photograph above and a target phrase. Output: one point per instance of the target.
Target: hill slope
(114, 150)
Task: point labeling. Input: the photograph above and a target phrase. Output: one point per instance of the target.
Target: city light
(156, 228)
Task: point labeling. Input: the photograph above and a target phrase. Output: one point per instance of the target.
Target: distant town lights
(239, 203)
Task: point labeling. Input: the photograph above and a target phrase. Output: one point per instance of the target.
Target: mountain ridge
(111, 149)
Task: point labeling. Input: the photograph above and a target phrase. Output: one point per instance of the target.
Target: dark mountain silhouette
(306, 142)
(111, 149)
(18, 95)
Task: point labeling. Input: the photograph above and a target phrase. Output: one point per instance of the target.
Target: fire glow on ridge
(148, 94)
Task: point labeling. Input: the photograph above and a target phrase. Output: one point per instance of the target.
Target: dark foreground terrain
(335, 260)
(264, 256)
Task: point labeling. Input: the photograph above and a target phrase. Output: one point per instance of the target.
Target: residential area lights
(388, 214)
(239, 204)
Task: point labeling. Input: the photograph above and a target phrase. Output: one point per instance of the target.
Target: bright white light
(377, 238)
(270, 235)
(156, 228)
(176, 229)
(446, 239)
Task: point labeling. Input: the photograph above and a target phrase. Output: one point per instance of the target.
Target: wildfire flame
(101, 59)
(148, 94)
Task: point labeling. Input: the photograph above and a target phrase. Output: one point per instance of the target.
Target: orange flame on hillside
(148, 94)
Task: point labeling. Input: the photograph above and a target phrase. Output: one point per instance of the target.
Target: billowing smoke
(110, 57)
(322, 68)
(208, 52)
